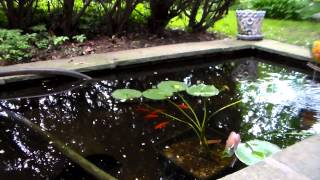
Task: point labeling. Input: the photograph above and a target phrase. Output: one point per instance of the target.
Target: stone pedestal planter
(249, 24)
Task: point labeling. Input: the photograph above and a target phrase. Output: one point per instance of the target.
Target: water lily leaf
(174, 86)
(126, 94)
(157, 94)
(254, 151)
(202, 90)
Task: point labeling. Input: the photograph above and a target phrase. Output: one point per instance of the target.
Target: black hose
(43, 71)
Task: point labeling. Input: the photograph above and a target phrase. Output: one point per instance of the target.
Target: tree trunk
(67, 17)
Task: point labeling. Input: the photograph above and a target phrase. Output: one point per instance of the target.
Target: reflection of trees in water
(67, 115)
(272, 105)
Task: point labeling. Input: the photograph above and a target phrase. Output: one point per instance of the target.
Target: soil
(185, 154)
(103, 44)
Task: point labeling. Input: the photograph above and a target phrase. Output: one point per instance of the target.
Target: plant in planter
(166, 89)
(209, 159)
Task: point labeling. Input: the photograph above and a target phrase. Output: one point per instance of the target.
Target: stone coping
(135, 56)
(300, 161)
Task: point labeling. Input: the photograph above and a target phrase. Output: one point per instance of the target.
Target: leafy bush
(59, 40)
(79, 38)
(203, 14)
(14, 45)
(281, 9)
(311, 9)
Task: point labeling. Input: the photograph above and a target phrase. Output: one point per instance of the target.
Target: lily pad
(157, 94)
(126, 94)
(174, 86)
(202, 90)
(254, 151)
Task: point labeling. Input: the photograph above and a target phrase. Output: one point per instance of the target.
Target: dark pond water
(280, 105)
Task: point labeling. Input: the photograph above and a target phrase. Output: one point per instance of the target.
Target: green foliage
(203, 90)
(59, 40)
(311, 9)
(39, 28)
(14, 45)
(126, 94)
(157, 94)
(40, 38)
(79, 38)
(140, 13)
(254, 151)
(280, 9)
(173, 86)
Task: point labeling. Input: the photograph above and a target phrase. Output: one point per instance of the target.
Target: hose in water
(43, 71)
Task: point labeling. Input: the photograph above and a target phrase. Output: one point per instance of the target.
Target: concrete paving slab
(298, 162)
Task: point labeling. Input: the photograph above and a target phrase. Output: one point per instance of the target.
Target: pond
(279, 104)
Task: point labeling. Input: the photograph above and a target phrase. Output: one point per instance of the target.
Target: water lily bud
(233, 140)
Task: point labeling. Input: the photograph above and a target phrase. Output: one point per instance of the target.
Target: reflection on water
(278, 104)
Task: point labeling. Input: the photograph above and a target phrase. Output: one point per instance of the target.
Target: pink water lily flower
(233, 141)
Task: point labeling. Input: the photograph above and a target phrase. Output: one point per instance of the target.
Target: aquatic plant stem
(204, 113)
(185, 114)
(181, 110)
(191, 109)
(177, 119)
(223, 108)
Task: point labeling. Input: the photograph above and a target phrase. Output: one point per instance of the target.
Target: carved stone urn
(249, 24)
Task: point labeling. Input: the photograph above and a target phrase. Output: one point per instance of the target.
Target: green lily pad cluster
(254, 151)
(166, 89)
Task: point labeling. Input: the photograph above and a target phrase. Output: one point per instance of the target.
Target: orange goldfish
(183, 106)
(161, 125)
(150, 116)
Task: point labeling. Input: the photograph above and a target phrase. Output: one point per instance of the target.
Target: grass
(301, 33)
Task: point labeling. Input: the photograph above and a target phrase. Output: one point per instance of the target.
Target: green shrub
(40, 37)
(59, 40)
(311, 9)
(278, 9)
(14, 45)
(79, 38)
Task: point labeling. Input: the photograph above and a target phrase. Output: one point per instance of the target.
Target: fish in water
(214, 141)
(156, 111)
(183, 106)
(150, 116)
(161, 125)
(142, 109)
